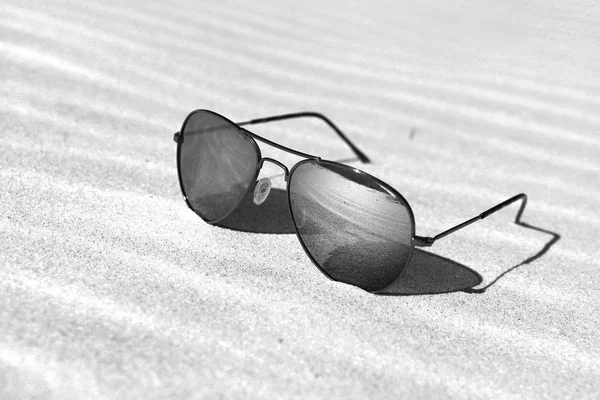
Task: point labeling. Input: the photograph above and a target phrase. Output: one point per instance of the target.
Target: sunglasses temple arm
(420, 241)
(361, 156)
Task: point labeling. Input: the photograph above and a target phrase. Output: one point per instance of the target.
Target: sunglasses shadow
(427, 273)
(272, 216)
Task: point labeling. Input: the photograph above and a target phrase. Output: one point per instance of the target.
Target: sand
(111, 288)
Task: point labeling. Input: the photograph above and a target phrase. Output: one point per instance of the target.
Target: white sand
(111, 288)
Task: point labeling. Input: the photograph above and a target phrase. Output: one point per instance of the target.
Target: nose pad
(261, 191)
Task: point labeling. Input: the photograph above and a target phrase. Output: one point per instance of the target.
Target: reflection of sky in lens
(351, 204)
(218, 148)
(218, 165)
(353, 228)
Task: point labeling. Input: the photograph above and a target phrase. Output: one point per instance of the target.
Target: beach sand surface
(111, 288)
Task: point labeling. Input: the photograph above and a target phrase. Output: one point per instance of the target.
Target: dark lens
(217, 163)
(354, 229)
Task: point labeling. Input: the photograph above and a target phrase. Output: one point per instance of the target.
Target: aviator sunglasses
(354, 227)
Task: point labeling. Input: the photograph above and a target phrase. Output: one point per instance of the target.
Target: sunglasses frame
(416, 241)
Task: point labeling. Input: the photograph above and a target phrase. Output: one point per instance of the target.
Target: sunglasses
(354, 227)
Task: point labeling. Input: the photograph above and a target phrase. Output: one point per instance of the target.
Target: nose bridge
(285, 169)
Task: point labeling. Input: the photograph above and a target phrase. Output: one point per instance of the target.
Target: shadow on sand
(427, 273)
(272, 216)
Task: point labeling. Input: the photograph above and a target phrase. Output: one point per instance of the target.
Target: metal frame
(428, 241)
(310, 114)
(417, 241)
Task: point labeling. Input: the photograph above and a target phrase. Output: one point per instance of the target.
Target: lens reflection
(354, 229)
(217, 163)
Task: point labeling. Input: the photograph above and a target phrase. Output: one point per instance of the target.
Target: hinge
(420, 241)
(176, 137)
